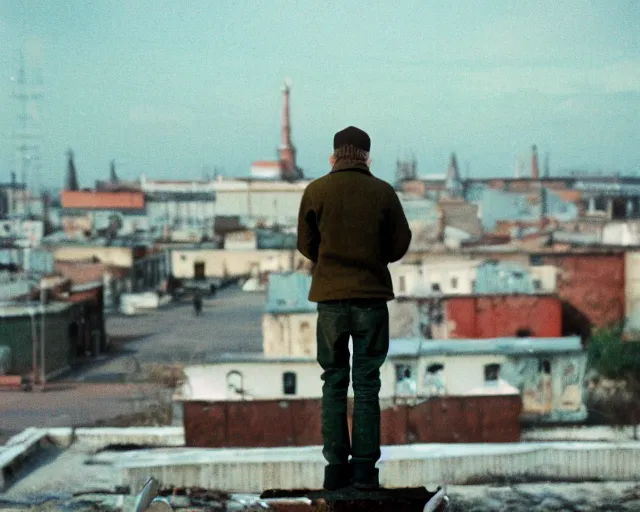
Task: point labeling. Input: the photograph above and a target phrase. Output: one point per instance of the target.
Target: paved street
(231, 322)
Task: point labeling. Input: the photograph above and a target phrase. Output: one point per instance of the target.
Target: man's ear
(332, 159)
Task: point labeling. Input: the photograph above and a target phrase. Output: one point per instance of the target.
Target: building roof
(432, 177)
(413, 347)
(265, 163)
(33, 260)
(223, 224)
(13, 289)
(498, 205)
(569, 237)
(92, 200)
(17, 309)
(421, 209)
(250, 357)
(269, 239)
(288, 293)
(461, 215)
(83, 287)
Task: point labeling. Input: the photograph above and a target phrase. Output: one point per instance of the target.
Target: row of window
(404, 373)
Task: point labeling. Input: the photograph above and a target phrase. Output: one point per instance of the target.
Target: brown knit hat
(352, 136)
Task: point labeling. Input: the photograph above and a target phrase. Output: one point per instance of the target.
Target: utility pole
(43, 302)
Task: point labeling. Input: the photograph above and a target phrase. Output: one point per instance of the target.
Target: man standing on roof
(351, 225)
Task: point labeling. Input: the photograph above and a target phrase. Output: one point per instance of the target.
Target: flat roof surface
(512, 346)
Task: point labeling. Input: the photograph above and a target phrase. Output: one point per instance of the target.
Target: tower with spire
(453, 183)
(113, 177)
(287, 152)
(71, 182)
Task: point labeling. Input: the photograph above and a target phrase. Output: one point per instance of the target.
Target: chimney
(535, 173)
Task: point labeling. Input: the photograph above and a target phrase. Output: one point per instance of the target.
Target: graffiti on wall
(549, 386)
(570, 398)
(536, 386)
(434, 383)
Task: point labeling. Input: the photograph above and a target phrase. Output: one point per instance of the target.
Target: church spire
(113, 177)
(453, 182)
(72, 176)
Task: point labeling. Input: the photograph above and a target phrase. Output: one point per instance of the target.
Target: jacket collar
(351, 165)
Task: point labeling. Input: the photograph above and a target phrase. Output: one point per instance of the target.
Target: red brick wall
(271, 423)
(498, 316)
(593, 284)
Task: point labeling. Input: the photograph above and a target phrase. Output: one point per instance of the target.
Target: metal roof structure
(16, 309)
(413, 347)
(496, 205)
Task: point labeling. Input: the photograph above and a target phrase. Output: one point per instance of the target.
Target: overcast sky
(167, 87)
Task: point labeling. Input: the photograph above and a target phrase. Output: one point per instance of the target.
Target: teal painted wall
(16, 333)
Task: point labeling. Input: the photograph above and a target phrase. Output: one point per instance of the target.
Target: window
(401, 284)
(537, 284)
(491, 373)
(454, 282)
(544, 366)
(435, 287)
(434, 383)
(289, 383)
(405, 380)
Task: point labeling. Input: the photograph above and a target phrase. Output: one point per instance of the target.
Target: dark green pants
(367, 323)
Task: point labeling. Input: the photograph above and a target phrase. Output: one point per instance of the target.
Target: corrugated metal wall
(419, 465)
(16, 333)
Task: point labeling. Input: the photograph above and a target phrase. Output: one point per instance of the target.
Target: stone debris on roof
(74, 478)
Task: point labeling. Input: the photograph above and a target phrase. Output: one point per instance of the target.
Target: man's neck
(344, 165)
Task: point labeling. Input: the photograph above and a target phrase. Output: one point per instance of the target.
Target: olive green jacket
(352, 225)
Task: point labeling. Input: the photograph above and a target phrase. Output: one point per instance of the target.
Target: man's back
(351, 224)
(361, 227)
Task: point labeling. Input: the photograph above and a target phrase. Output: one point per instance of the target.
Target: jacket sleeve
(308, 232)
(399, 231)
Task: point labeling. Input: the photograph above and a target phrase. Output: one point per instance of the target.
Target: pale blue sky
(166, 87)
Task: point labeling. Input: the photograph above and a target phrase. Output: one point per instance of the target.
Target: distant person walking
(197, 303)
(351, 225)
